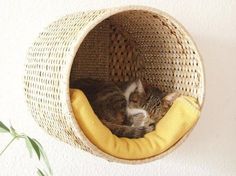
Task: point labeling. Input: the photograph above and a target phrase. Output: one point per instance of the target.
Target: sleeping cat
(126, 108)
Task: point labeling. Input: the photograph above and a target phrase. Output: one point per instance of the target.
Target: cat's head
(135, 94)
(158, 103)
(149, 98)
(138, 93)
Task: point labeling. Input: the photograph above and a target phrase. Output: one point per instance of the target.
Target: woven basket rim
(66, 93)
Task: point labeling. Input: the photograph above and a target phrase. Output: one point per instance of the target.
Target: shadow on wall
(213, 137)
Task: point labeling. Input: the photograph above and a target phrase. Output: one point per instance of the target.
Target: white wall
(210, 149)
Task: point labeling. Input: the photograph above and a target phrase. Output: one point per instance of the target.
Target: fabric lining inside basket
(180, 118)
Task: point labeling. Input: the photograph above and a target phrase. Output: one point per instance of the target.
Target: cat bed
(117, 44)
(179, 119)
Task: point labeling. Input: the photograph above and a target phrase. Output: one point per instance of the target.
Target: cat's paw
(138, 120)
(149, 128)
(142, 130)
(139, 132)
(137, 111)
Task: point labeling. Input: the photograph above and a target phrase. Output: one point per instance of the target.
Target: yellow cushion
(178, 120)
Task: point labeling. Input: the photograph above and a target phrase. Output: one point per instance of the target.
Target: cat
(126, 108)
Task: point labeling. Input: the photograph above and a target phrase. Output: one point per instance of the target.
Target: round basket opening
(117, 44)
(141, 44)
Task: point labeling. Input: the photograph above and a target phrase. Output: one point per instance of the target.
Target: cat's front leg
(139, 121)
(128, 131)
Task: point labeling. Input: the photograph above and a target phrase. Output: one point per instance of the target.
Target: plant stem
(7, 145)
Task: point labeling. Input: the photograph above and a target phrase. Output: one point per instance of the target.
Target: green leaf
(44, 156)
(3, 128)
(35, 147)
(40, 173)
(13, 131)
(28, 145)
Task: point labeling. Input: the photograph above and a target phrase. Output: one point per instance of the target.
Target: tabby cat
(128, 109)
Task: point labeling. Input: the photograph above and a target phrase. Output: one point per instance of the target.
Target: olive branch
(33, 146)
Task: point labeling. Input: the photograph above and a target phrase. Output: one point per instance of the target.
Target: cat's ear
(145, 84)
(170, 98)
(140, 86)
(130, 89)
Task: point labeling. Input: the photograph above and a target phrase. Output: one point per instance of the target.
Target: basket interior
(140, 44)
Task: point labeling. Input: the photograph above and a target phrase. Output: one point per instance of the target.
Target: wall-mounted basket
(111, 44)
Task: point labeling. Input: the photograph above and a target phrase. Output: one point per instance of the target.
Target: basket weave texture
(116, 44)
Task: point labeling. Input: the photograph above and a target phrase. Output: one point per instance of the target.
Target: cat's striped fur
(125, 108)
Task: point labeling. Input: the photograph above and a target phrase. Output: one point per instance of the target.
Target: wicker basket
(112, 44)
